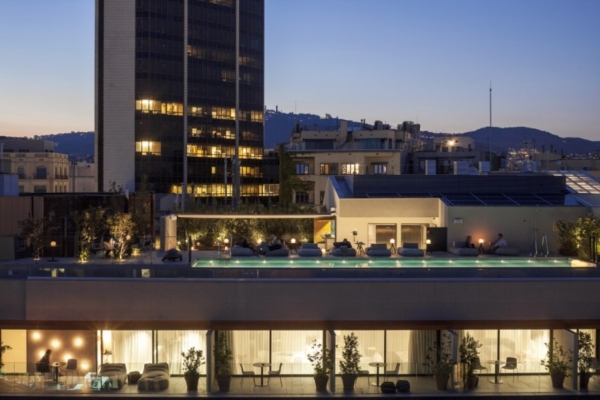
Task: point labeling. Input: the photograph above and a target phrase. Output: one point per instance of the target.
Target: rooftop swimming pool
(326, 262)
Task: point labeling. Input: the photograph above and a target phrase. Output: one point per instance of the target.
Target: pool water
(256, 262)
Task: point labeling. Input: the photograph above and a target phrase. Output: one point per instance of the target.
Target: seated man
(273, 244)
(496, 244)
(346, 243)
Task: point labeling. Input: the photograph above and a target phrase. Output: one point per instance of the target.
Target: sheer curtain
(370, 346)
(170, 345)
(398, 350)
(248, 347)
(291, 349)
(133, 348)
(527, 346)
(419, 344)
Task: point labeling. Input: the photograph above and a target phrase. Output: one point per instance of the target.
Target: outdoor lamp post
(393, 245)
(428, 246)
(53, 245)
(481, 241)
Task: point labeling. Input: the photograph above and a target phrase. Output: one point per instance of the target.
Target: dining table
(496, 364)
(377, 365)
(262, 365)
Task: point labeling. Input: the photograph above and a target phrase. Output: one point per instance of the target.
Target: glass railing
(294, 379)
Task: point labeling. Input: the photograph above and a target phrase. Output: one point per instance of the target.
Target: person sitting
(346, 243)
(46, 357)
(496, 244)
(272, 244)
(468, 243)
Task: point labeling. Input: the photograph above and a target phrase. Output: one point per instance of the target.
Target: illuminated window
(379, 168)
(350, 169)
(148, 148)
(148, 106)
(329, 169)
(213, 170)
(172, 108)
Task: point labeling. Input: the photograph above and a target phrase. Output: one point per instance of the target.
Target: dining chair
(43, 369)
(246, 374)
(511, 364)
(392, 372)
(276, 372)
(71, 369)
(477, 365)
(364, 372)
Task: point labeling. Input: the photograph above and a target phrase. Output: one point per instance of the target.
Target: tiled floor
(303, 386)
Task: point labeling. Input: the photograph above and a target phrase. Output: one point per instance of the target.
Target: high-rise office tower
(166, 81)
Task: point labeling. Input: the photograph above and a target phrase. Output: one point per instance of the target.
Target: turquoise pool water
(256, 262)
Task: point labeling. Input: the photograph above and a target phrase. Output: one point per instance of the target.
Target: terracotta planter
(584, 379)
(192, 382)
(441, 382)
(224, 383)
(558, 379)
(348, 381)
(321, 383)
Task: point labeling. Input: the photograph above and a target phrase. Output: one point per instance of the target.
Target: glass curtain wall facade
(410, 348)
(158, 96)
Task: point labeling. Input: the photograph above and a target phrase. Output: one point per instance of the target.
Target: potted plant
(223, 359)
(441, 363)
(585, 357)
(3, 348)
(468, 357)
(320, 359)
(557, 362)
(192, 360)
(350, 362)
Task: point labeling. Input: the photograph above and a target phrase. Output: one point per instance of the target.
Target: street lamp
(53, 245)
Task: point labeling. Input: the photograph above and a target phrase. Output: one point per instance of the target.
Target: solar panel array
(483, 199)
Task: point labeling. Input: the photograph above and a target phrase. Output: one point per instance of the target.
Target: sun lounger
(238, 251)
(343, 251)
(310, 250)
(411, 250)
(378, 250)
(458, 248)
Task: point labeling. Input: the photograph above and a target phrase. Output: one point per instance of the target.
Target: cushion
(283, 252)
(507, 251)
(458, 243)
(388, 387)
(378, 246)
(133, 377)
(403, 386)
(410, 252)
(464, 251)
(241, 251)
(310, 246)
(409, 245)
(343, 251)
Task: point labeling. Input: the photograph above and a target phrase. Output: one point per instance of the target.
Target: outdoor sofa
(507, 251)
(378, 250)
(411, 250)
(310, 250)
(458, 248)
(239, 251)
(340, 249)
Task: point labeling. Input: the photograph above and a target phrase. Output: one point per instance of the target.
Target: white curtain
(133, 348)
(291, 349)
(370, 346)
(170, 345)
(249, 347)
(398, 351)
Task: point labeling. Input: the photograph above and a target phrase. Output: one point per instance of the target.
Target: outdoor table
(496, 364)
(377, 365)
(55, 366)
(261, 365)
(359, 249)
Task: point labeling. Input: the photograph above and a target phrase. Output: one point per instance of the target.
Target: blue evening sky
(429, 61)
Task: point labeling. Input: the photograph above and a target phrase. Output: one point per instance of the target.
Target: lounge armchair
(116, 372)
(310, 250)
(238, 251)
(282, 252)
(155, 377)
(343, 249)
(506, 251)
(458, 248)
(411, 250)
(378, 250)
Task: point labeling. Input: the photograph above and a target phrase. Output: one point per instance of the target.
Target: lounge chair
(378, 250)
(282, 252)
(238, 251)
(506, 251)
(458, 248)
(310, 250)
(116, 372)
(410, 250)
(343, 251)
(155, 377)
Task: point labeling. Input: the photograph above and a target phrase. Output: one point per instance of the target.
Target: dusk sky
(394, 60)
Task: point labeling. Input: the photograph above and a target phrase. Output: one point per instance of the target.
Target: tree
(3, 348)
(90, 224)
(33, 232)
(121, 226)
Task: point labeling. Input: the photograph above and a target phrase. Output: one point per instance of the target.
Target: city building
(146, 86)
(82, 177)
(38, 167)
(319, 154)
